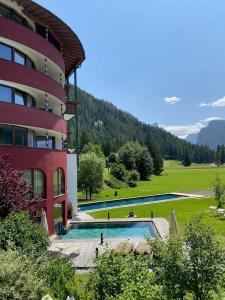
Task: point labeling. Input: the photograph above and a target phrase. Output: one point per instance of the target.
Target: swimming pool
(130, 201)
(115, 229)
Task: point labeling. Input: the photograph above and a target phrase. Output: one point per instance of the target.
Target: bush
(19, 278)
(23, 234)
(115, 183)
(133, 175)
(59, 273)
(132, 183)
(118, 171)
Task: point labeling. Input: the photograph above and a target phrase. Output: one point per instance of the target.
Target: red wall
(25, 36)
(11, 71)
(27, 116)
(46, 160)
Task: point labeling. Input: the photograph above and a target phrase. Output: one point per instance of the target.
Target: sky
(161, 60)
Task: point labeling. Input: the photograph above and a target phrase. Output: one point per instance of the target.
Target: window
(59, 182)
(19, 57)
(11, 95)
(36, 179)
(5, 52)
(42, 142)
(20, 98)
(20, 136)
(11, 54)
(5, 12)
(5, 94)
(6, 134)
(30, 101)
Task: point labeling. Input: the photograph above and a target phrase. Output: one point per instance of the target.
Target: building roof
(73, 51)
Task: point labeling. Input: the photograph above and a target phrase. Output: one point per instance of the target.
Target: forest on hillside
(102, 123)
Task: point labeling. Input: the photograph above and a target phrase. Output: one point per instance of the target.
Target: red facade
(40, 145)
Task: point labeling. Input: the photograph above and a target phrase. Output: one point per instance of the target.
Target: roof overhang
(73, 51)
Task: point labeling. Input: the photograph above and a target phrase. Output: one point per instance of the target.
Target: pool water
(111, 230)
(131, 201)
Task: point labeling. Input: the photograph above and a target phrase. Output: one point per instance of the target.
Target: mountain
(192, 138)
(103, 123)
(212, 135)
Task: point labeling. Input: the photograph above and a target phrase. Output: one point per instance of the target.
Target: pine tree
(186, 160)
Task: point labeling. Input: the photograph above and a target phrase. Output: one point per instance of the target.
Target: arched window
(36, 179)
(59, 182)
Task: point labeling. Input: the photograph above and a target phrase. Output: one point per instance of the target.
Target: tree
(133, 176)
(186, 160)
(93, 148)
(90, 173)
(119, 277)
(112, 159)
(17, 231)
(155, 152)
(144, 164)
(118, 171)
(219, 191)
(193, 264)
(13, 190)
(127, 155)
(169, 266)
(58, 273)
(205, 263)
(19, 277)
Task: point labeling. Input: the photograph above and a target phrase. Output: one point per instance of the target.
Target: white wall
(72, 180)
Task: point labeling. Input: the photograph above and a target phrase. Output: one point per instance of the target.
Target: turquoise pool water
(111, 230)
(131, 201)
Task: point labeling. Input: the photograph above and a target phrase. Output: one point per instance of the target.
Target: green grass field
(177, 179)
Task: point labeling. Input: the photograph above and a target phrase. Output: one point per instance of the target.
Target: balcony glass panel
(5, 12)
(20, 98)
(20, 136)
(5, 52)
(19, 58)
(5, 135)
(5, 94)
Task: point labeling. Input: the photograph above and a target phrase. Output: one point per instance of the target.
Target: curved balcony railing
(32, 117)
(13, 72)
(25, 36)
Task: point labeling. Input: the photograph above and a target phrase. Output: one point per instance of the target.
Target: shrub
(115, 183)
(19, 278)
(118, 171)
(132, 183)
(23, 234)
(133, 175)
(59, 273)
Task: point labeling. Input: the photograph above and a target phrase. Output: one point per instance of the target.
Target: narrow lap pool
(124, 202)
(126, 229)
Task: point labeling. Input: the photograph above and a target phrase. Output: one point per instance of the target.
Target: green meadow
(175, 178)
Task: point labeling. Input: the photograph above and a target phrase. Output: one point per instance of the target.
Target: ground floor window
(36, 179)
(59, 182)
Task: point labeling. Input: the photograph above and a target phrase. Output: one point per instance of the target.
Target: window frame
(59, 183)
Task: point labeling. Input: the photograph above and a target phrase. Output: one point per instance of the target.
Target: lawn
(185, 211)
(172, 180)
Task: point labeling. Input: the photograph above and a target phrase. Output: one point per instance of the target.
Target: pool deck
(87, 247)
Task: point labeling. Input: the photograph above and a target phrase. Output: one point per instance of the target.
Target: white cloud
(211, 119)
(172, 100)
(216, 103)
(183, 130)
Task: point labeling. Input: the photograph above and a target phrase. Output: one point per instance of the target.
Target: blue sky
(161, 60)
